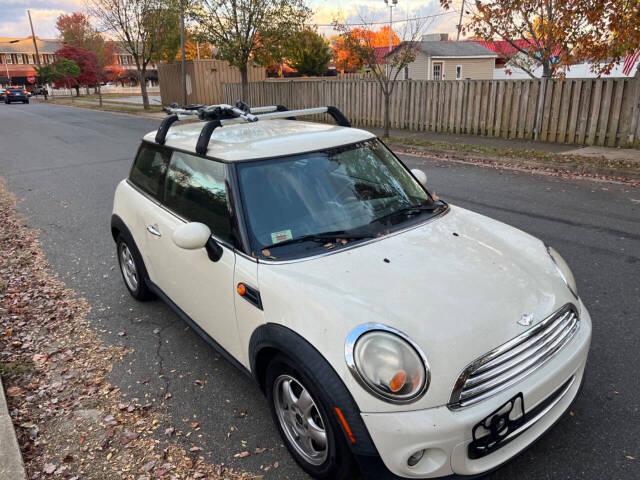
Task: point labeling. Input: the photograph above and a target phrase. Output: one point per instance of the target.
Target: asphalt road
(65, 163)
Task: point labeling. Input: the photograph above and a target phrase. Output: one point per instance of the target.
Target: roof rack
(221, 115)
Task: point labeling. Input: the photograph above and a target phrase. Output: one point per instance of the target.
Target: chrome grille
(514, 360)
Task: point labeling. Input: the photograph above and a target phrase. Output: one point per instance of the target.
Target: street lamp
(391, 4)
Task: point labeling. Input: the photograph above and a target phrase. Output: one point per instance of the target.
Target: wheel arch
(118, 227)
(272, 339)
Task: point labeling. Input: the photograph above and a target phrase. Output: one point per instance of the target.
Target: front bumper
(446, 434)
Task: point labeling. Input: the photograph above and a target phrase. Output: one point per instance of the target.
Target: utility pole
(183, 66)
(460, 22)
(391, 4)
(33, 35)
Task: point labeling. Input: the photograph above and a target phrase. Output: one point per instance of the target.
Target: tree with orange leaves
(348, 59)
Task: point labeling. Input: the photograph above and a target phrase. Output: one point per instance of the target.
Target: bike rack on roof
(221, 115)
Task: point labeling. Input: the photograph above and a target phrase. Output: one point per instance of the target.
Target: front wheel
(131, 268)
(306, 421)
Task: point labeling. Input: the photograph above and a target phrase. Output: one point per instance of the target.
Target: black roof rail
(220, 115)
(205, 136)
(337, 115)
(163, 129)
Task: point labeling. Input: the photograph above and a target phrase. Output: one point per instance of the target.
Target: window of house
(20, 59)
(28, 59)
(437, 71)
(9, 58)
(196, 189)
(406, 73)
(458, 72)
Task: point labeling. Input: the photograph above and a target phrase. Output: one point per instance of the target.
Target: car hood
(456, 285)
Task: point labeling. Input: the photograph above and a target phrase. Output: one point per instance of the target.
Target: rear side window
(149, 168)
(196, 189)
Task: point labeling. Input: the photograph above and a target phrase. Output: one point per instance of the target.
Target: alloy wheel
(128, 267)
(300, 419)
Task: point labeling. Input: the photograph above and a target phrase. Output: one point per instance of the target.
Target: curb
(11, 465)
(588, 171)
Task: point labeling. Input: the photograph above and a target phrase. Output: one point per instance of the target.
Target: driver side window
(196, 189)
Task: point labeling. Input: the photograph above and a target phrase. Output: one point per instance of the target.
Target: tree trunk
(387, 118)
(546, 68)
(244, 75)
(99, 94)
(77, 90)
(143, 88)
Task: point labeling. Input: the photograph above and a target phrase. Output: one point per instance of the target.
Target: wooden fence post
(540, 108)
(634, 128)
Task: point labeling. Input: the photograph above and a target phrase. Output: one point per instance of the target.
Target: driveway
(65, 163)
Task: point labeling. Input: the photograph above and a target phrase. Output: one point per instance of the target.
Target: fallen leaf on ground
(14, 391)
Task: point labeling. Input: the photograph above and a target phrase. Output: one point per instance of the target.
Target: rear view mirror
(420, 176)
(191, 236)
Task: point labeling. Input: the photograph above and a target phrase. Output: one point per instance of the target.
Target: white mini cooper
(392, 333)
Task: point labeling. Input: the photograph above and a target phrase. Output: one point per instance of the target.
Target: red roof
(505, 49)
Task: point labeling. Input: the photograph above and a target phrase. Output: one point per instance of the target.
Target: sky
(15, 23)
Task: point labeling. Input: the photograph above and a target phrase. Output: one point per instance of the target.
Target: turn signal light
(398, 381)
(345, 425)
(241, 289)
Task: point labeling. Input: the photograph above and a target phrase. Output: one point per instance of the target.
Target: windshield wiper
(326, 237)
(409, 211)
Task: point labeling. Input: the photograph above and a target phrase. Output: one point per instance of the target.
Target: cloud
(15, 23)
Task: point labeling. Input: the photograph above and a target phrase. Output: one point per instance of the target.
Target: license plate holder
(490, 433)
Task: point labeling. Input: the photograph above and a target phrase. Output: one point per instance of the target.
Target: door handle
(153, 230)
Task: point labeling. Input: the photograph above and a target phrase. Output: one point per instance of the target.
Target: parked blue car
(15, 94)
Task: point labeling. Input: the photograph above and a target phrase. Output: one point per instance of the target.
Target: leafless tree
(138, 26)
(384, 65)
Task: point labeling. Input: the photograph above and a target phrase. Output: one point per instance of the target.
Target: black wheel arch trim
(118, 227)
(280, 339)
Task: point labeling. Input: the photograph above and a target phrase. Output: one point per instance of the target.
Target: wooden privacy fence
(204, 80)
(580, 111)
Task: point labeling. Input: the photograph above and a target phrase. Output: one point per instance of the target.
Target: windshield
(324, 200)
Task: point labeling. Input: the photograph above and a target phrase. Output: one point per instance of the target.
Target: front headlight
(387, 363)
(563, 270)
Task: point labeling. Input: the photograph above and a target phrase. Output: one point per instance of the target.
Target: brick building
(18, 62)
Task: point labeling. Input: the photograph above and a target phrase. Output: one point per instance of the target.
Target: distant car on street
(15, 94)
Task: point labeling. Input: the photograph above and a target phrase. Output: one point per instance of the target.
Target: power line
(404, 20)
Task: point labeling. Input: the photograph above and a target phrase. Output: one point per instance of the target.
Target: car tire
(26, 101)
(132, 268)
(303, 424)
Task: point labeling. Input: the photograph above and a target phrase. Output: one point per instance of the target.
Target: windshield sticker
(277, 237)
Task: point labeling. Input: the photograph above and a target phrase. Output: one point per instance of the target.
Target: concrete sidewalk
(11, 465)
(610, 153)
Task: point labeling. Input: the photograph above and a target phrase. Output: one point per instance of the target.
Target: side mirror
(195, 235)
(191, 236)
(420, 175)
